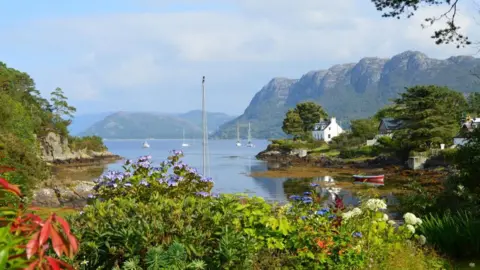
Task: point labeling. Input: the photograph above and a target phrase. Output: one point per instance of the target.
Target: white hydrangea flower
(392, 222)
(422, 240)
(411, 228)
(356, 211)
(347, 215)
(376, 204)
(419, 221)
(353, 213)
(472, 265)
(385, 217)
(410, 218)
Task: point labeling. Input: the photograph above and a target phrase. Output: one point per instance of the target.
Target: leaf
(4, 258)
(53, 263)
(32, 246)
(58, 243)
(65, 226)
(62, 263)
(73, 245)
(9, 187)
(45, 232)
(32, 265)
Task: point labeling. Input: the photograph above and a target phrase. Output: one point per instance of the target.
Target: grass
(44, 212)
(324, 150)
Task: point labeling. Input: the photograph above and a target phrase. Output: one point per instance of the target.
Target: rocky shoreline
(281, 159)
(72, 173)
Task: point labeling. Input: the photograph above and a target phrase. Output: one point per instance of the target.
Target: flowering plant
(141, 179)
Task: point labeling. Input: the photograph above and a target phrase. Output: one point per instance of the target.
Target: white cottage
(327, 130)
(467, 127)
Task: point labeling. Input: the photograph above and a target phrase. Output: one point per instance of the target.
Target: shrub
(364, 151)
(26, 239)
(92, 143)
(145, 215)
(455, 234)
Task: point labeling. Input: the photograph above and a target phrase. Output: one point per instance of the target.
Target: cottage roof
(322, 125)
(391, 123)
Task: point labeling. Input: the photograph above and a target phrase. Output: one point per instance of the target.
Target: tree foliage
(474, 104)
(450, 33)
(365, 129)
(431, 116)
(302, 119)
(25, 119)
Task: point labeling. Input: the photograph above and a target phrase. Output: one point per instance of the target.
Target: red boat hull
(376, 180)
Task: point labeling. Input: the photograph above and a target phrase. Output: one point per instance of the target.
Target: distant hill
(352, 91)
(83, 121)
(214, 119)
(143, 125)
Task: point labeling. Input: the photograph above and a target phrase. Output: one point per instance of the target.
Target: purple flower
(303, 217)
(144, 164)
(321, 212)
(91, 196)
(215, 195)
(203, 193)
(128, 184)
(177, 152)
(295, 197)
(307, 199)
(332, 216)
(144, 182)
(307, 193)
(314, 185)
(161, 180)
(206, 180)
(357, 234)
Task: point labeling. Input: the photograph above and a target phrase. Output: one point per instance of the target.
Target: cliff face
(55, 150)
(354, 90)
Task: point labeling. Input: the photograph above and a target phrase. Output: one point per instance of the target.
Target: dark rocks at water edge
(281, 158)
(74, 196)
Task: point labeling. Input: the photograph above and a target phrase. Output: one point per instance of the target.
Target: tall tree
(450, 33)
(303, 118)
(293, 124)
(60, 107)
(474, 104)
(365, 129)
(431, 116)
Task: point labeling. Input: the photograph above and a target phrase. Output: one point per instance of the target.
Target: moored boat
(375, 180)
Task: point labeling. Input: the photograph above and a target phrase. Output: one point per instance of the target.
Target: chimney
(333, 120)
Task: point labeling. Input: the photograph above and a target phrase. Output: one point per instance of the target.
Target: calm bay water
(230, 165)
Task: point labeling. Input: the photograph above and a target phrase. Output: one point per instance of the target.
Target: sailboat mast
(238, 132)
(204, 128)
(249, 136)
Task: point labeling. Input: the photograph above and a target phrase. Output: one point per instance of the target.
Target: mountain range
(143, 125)
(353, 90)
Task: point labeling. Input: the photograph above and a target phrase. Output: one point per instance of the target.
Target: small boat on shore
(374, 180)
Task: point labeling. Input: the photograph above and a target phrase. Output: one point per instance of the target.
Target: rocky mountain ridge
(352, 90)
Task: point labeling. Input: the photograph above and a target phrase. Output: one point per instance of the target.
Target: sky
(150, 55)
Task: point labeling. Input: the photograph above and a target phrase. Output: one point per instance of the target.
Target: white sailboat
(238, 136)
(184, 144)
(249, 143)
(146, 145)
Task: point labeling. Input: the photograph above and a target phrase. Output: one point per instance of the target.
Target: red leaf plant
(41, 235)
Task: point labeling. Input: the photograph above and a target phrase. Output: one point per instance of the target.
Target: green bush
(92, 143)
(141, 217)
(364, 151)
(455, 234)
(289, 145)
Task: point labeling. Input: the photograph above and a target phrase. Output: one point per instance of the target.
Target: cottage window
(329, 136)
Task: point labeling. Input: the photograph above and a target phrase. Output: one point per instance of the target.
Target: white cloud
(136, 52)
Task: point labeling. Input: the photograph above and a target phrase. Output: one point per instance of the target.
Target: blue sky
(150, 55)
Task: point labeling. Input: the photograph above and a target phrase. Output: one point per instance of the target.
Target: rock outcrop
(56, 150)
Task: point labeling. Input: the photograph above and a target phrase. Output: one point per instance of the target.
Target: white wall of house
(331, 131)
(459, 141)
